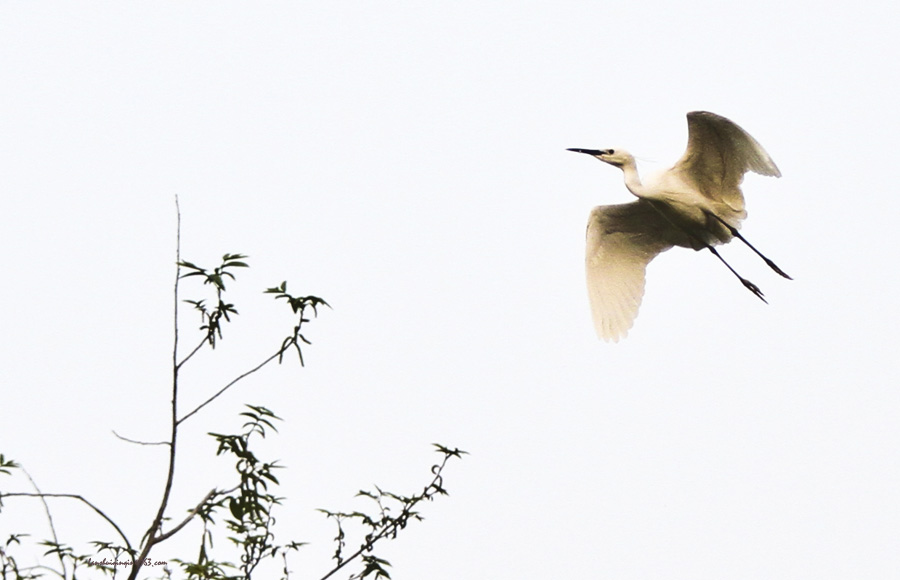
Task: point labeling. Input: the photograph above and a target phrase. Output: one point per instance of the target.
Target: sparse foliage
(243, 511)
(298, 305)
(384, 524)
(212, 319)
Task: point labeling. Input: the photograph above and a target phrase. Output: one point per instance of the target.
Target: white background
(406, 161)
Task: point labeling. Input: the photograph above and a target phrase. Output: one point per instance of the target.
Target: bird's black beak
(588, 151)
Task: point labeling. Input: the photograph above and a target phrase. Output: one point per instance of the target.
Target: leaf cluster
(299, 305)
(249, 517)
(212, 318)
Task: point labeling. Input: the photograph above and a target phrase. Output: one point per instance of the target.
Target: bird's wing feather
(718, 154)
(621, 241)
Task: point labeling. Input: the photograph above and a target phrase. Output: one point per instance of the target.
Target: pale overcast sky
(406, 161)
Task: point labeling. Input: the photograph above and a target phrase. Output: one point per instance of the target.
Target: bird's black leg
(738, 235)
(747, 283)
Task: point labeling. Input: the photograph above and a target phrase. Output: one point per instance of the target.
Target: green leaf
(270, 477)
(456, 452)
(185, 264)
(200, 273)
(236, 508)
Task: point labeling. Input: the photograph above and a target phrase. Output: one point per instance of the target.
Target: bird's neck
(632, 179)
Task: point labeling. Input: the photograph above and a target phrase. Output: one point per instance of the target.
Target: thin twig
(163, 536)
(177, 278)
(35, 567)
(150, 537)
(139, 442)
(194, 512)
(193, 352)
(231, 384)
(357, 553)
(79, 498)
(62, 562)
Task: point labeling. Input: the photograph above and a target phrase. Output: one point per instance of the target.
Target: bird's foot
(777, 269)
(754, 288)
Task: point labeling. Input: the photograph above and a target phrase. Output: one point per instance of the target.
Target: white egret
(695, 204)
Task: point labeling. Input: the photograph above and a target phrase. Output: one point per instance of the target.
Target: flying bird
(696, 204)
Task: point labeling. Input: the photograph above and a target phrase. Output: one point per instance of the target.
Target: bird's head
(616, 157)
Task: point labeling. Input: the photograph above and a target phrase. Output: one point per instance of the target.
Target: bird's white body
(695, 204)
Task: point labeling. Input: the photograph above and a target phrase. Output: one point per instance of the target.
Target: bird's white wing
(621, 241)
(718, 154)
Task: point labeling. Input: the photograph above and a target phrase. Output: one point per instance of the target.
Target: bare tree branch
(62, 562)
(150, 538)
(212, 493)
(139, 442)
(231, 384)
(192, 353)
(81, 499)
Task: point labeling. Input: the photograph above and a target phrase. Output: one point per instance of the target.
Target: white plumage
(695, 204)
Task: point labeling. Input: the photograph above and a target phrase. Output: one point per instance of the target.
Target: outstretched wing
(718, 154)
(621, 241)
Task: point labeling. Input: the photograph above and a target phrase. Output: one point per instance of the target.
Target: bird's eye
(608, 151)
